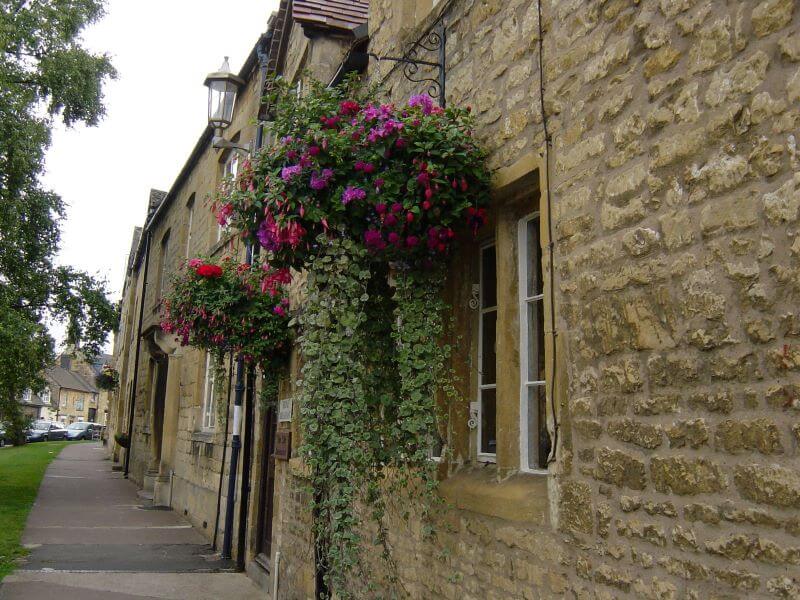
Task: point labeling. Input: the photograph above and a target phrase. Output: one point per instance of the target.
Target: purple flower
(352, 193)
(423, 101)
(287, 139)
(320, 181)
(287, 173)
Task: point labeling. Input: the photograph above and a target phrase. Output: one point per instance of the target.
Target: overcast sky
(156, 110)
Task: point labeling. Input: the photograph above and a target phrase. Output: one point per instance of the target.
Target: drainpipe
(138, 349)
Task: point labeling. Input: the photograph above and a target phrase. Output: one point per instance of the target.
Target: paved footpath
(91, 539)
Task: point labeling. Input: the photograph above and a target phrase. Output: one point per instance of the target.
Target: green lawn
(21, 472)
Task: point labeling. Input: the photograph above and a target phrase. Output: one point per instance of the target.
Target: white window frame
(229, 173)
(45, 396)
(189, 229)
(26, 397)
(484, 456)
(209, 415)
(79, 404)
(524, 343)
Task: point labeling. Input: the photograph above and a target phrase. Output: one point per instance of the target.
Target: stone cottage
(628, 421)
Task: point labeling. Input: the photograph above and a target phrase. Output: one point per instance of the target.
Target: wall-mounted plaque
(285, 410)
(283, 444)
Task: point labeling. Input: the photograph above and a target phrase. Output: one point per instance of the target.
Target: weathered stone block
(771, 16)
(769, 484)
(620, 469)
(759, 434)
(742, 78)
(782, 205)
(729, 214)
(576, 507)
(686, 476)
(694, 433)
(634, 432)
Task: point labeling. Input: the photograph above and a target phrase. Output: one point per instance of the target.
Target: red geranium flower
(209, 271)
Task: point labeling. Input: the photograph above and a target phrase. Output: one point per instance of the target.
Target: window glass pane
(535, 341)
(534, 264)
(489, 277)
(489, 421)
(538, 436)
(488, 348)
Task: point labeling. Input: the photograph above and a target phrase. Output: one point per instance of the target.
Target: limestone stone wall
(674, 189)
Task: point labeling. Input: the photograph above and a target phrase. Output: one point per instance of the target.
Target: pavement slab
(90, 537)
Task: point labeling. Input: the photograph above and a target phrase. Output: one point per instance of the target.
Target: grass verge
(21, 472)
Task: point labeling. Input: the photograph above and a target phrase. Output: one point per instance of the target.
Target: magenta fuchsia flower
(390, 220)
(349, 107)
(319, 181)
(380, 208)
(394, 238)
(195, 262)
(423, 101)
(224, 213)
(374, 240)
(279, 310)
(397, 207)
(412, 241)
(287, 173)
(313, 150)
(352, 193)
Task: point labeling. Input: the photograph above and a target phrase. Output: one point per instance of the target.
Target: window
(190, 207)
(487, 355)
(231, 170)
(534, 437)
(163, 271)
(209, 403)
(45, 396)
(79, 404)
(26, 397)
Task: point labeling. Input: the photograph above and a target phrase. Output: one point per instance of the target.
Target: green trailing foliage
(370, 199)
(45, 75)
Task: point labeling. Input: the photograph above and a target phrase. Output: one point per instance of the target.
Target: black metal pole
(224, 453)
(236, 444)
(132, 408)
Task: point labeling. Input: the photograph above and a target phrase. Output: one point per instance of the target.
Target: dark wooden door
(267, 486)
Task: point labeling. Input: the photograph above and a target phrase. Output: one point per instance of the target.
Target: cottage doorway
(267, 479)
(159, 399)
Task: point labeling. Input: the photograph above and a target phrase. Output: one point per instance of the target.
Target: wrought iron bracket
(434, 41)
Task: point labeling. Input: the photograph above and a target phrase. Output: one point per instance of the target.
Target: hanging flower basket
(122, 439)
(230, 307)
(107, 378)
(402, 181)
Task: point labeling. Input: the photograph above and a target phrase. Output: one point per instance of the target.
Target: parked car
(82, 430)
(43, 431)
(2, 436)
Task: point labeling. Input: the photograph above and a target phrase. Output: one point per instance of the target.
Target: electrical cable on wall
(551, 245)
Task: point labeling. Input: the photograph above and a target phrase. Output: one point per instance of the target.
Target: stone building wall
(673, 185)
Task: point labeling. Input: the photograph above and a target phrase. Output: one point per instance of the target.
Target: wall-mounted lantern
(223, 86)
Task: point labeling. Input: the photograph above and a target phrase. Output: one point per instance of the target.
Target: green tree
(45, 75)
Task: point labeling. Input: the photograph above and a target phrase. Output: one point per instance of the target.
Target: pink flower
(394, 239)
(287, 173)
(397, 207)
(412, 241)
(409, 217)
(423, 101)
(313, 150)
(390, 220)
(195, 262)
(380, 208)
(279, 310)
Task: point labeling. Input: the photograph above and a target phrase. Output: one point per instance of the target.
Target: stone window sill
(206, 437)
(522, 497)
